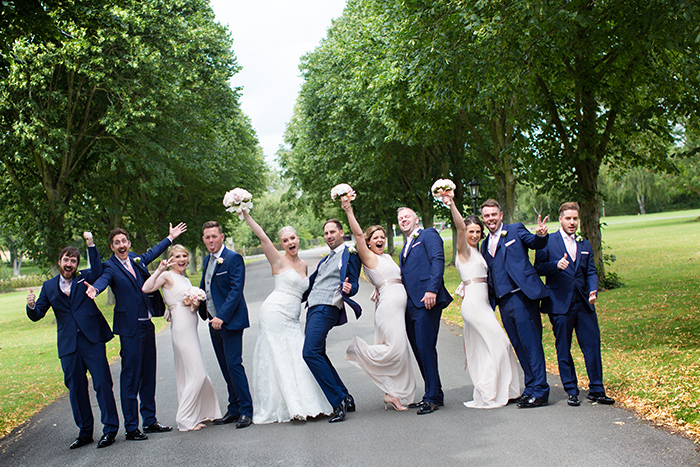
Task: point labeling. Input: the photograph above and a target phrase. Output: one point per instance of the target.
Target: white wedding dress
(388, 361)
(283, 387)
(197, 401)
(490, 359)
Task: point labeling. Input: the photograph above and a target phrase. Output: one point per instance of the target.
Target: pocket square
(584, 252)
(80, 280)
(510, 242)
(415, 245)
(221, 273)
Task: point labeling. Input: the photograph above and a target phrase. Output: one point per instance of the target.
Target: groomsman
(572, 285)
(330, 288)
(223, 280)
(125, 272)
(422, 263)
(82, 333)
(517, 290)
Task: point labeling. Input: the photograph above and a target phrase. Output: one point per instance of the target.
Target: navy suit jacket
(129, 297)
(75, 313)
(513, 263)
(580, 277)
(426, 262)
(349, 269)
(227, 290)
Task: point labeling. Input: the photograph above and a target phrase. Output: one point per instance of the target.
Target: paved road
(590, 435)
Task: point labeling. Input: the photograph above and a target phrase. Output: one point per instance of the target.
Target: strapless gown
(197, 401)
(490, 359)
(283, 387)
(388, 361)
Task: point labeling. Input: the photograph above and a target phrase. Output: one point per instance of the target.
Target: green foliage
(130, 123)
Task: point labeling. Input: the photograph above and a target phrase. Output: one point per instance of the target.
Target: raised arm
(367, 257)
(271, 253)
(160, 278)
(462, 245)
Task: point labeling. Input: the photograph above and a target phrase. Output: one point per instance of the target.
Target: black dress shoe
(349, 403)
(243, 421)
(417, 405)
(338, 414)
(515, 400)
(427, 407)
(81, 441)
(573, 400)
(226, 419)
(532, 402)
(106, 440)
(156, 427)
(135, 435)
(600, 398)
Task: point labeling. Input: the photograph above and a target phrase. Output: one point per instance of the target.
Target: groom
(422, 264)
(330, 287)
(223, 278)
(517, 290)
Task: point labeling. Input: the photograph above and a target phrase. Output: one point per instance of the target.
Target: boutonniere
(415, 234)
(219, 260)
(579, 239)
(351, 249)
(137, 260)
(77, 274)
(504, 233)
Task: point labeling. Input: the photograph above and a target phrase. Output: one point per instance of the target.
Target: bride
(197, 401)
(490, 359)
(283, 387)
(388, 361)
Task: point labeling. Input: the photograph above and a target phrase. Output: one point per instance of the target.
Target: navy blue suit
(422, 271)
(568, 309)
(320, 319)
(136, 334)
(517, 290)
(227, 294)
(82, 333)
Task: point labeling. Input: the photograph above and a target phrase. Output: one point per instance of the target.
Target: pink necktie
(570, 247)
(129, 268)
(65, 288)
(493, 243)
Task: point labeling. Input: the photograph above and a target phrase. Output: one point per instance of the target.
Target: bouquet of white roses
(342, 190)
(238, 200)
(442, 186)
(193, 296)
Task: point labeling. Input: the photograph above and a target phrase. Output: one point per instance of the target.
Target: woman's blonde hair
(175, 248)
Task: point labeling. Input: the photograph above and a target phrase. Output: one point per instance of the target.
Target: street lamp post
(474, 191)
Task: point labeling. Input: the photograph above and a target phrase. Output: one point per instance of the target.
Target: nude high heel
(394, 402)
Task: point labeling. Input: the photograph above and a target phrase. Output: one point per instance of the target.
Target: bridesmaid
(388, 361)
(197, 401)
(489, 356)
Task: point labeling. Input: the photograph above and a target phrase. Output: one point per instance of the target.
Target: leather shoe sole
(157, 428)
(106, 440)
(601, 399)
(243, 421)
(532, 402)
(81, 441)
(573, 401)
(427, 407)
(135, 435)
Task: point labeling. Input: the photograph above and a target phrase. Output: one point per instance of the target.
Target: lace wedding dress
(283, 387)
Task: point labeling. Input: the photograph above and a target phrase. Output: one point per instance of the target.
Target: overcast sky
(269, 37)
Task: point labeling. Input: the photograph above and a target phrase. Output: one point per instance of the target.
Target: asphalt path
(555, 435)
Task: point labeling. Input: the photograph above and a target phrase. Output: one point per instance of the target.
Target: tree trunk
(389, 237)
(590, 212)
